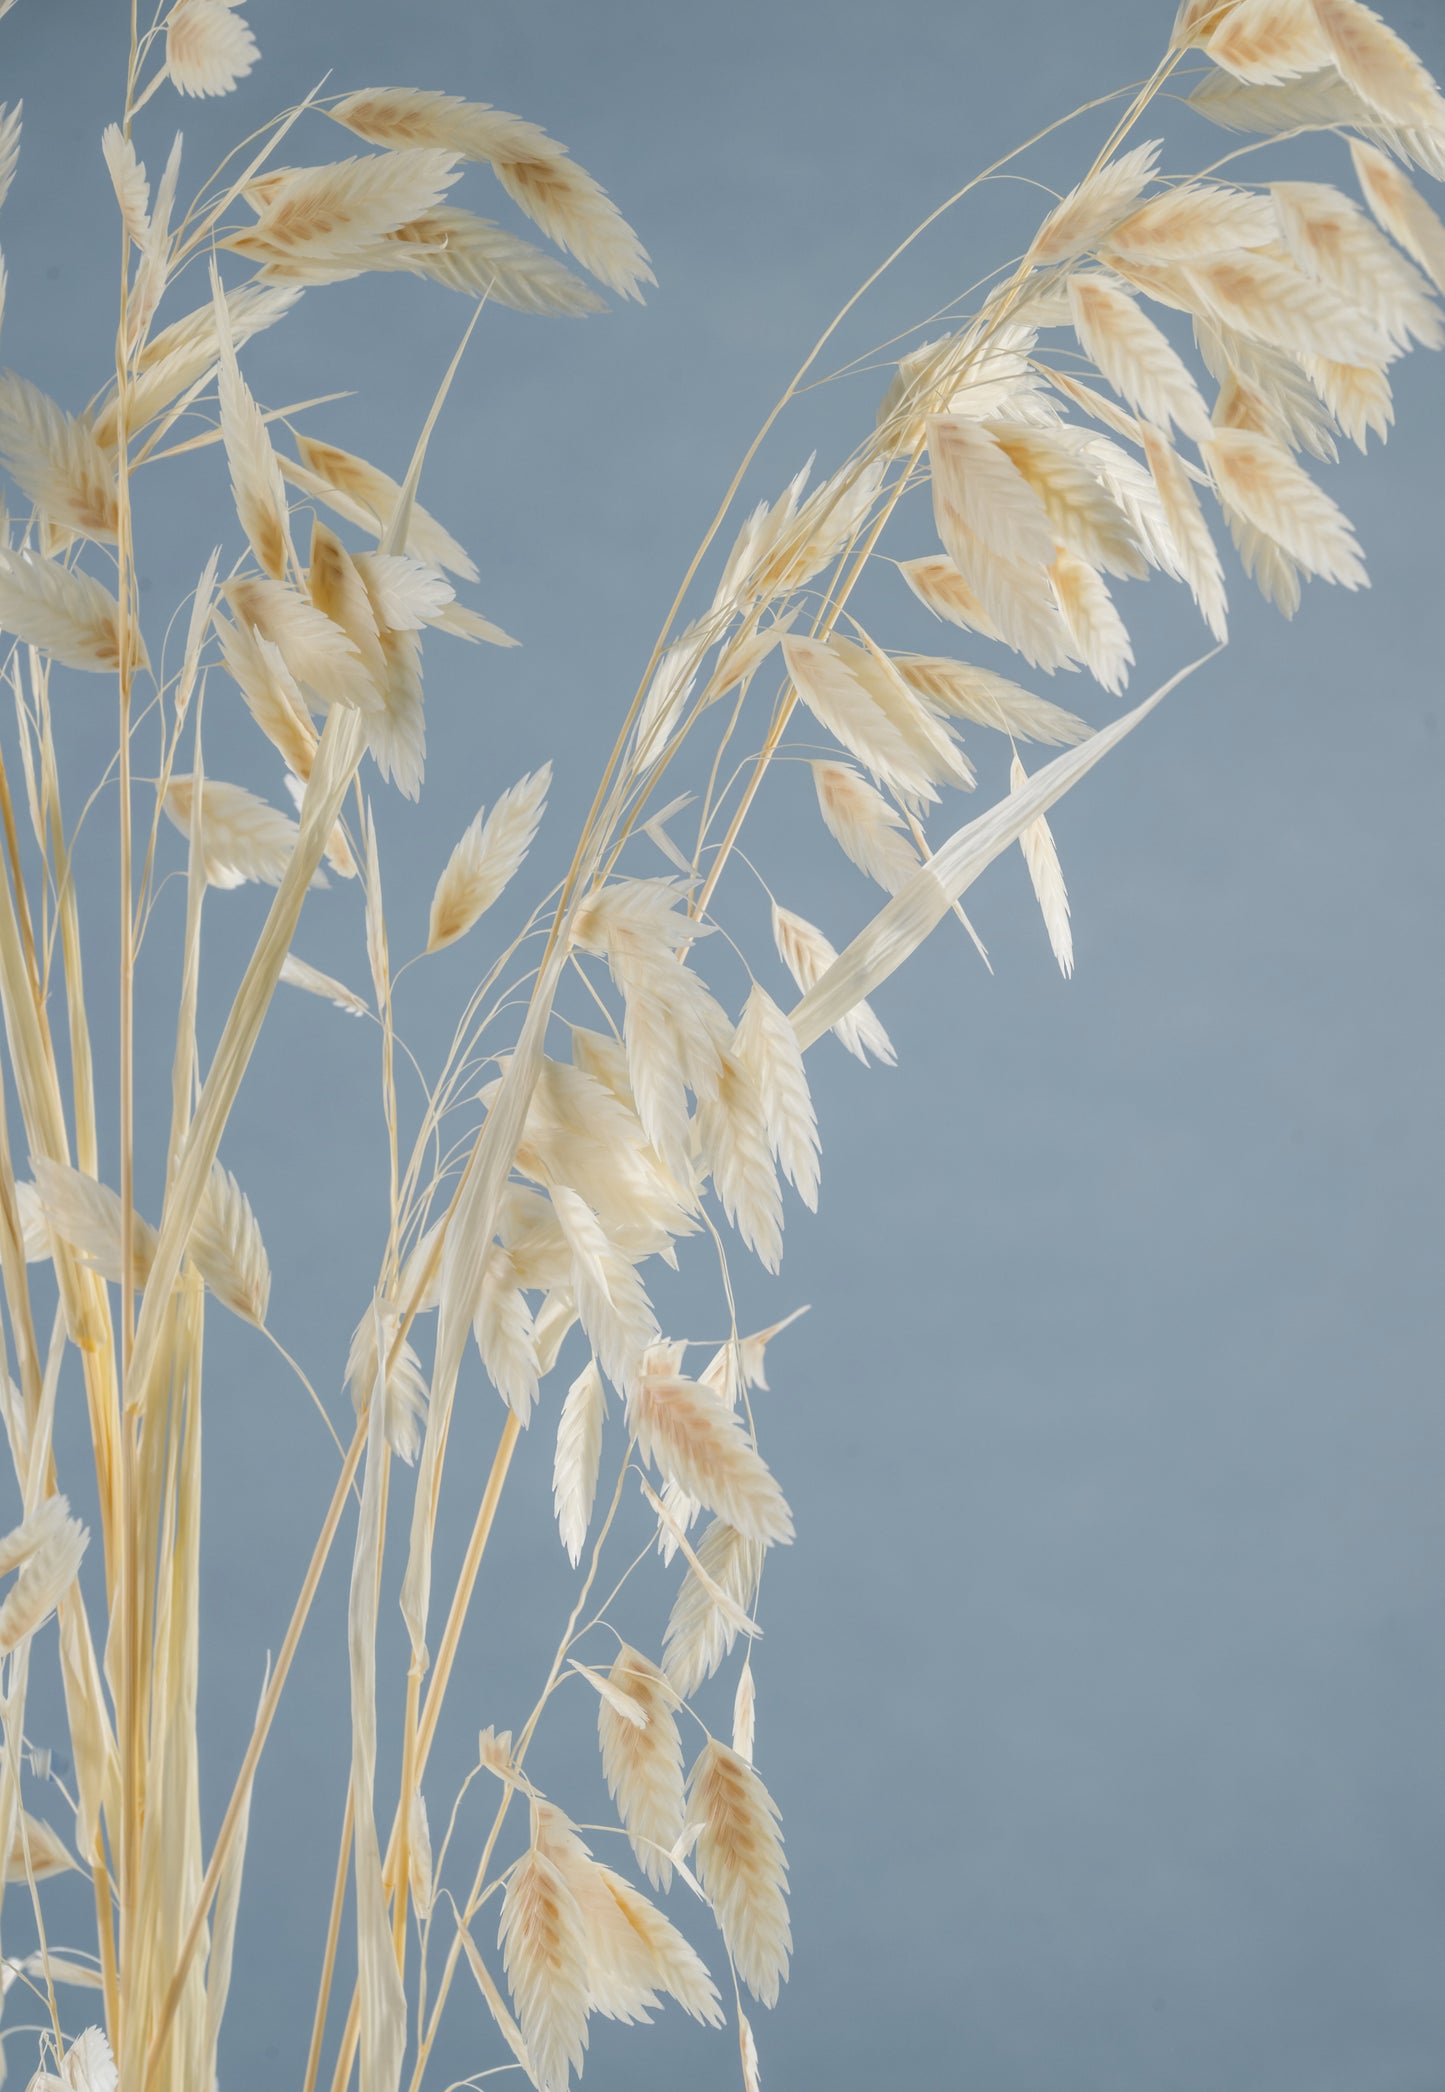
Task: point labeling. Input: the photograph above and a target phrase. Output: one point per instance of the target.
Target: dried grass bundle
(530, 1188)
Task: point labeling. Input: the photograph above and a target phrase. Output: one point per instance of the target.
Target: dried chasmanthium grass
(1168, 367)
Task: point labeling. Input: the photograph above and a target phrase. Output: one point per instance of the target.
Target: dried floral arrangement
(1162, 354)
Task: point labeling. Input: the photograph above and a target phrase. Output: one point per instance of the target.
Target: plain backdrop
(1103, 1692)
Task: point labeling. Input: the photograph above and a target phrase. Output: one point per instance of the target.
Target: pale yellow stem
(266, 1713)
(333, 1935)
(436, 1693)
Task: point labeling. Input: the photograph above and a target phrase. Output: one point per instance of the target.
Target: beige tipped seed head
(271, 692)
(740, 1863)
(866, 828)
(506, 1336)
(37, 1852)
(768, 1048)
(1332, 240)
(64, 613)
(642, 1761)
(745, 1714)
(9, 146)
(370, 497)
(1198, 555)
(1401, 210)
(1275, 302)
(298, 974)
(1135, 356)
(979, 490)
(612, 1302)
(208, 47)
(713, 1605)
(228, 1251)
(88, 1216)
(87, 2065)
(578, 1457)
(318, 654)
(544, 1951)
(1267, 41)
(640, 1952)
(732, 1138)
(1380, 66)
(487, 858)
(990, 700)
(242, 838)
(747, 2043)
(807, 954)
(941, 588)
(703, 1446)
(34, 1532)
(338, 592)
(1263, 484)
(257, 487)
(1096, 630)
(843, 688)
(536, 172)
(1092, 210)
(1192, 220)
(318, 222)
(1042, 858)
(468, 254)
(128, 179)
(46, 1575)
(379, 1330)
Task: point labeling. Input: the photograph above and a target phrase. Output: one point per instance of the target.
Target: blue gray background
(1104, 1693)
